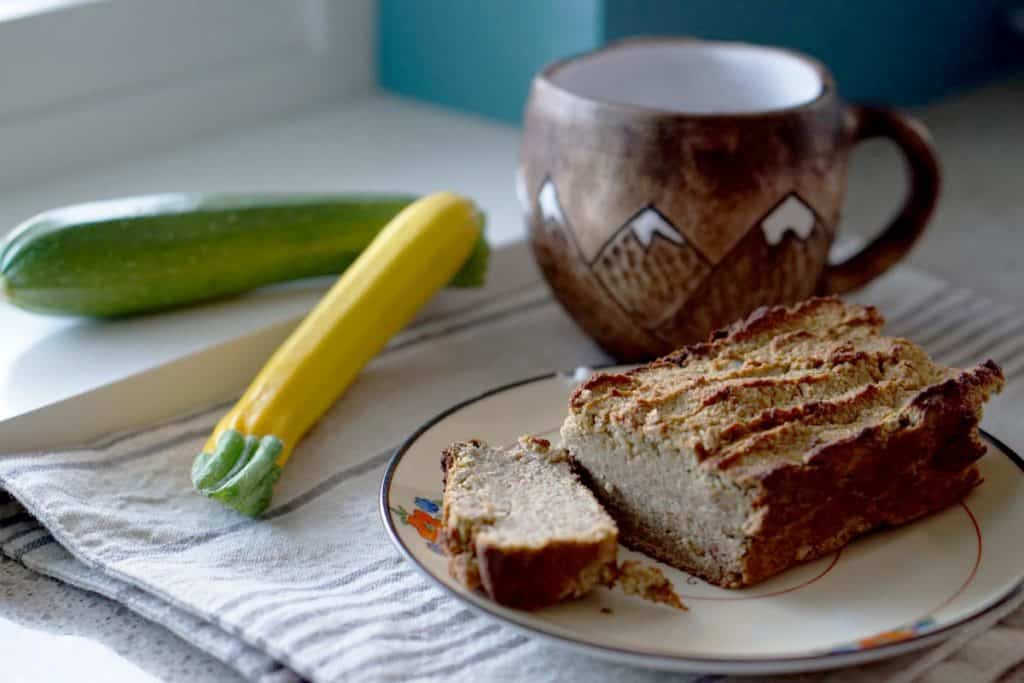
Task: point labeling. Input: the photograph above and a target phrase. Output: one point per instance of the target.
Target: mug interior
(692, 77)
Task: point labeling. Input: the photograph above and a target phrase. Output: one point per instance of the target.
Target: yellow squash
(413, 257)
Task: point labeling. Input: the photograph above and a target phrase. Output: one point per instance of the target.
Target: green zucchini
(140, 254)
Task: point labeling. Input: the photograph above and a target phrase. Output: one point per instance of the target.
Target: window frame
(92, 82)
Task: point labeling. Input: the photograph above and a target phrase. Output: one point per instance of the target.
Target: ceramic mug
(671, 186)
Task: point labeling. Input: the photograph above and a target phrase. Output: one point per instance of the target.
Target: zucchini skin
(142, 254)
(413, 257)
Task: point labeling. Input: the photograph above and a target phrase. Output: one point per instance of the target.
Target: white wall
(90, 84)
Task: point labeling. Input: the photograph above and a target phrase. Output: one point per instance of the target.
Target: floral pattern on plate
(886, 637)
(423, 518)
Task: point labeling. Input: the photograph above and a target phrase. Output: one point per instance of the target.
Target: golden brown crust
(771, 320)
(871, 480)
(846, 371)
(963, 394)
(531, 579)
(763, 325)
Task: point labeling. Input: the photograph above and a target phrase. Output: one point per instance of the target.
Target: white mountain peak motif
(791, 214)
(648, 223)
(547, 200)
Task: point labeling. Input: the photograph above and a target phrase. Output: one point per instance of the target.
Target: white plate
(886, 594)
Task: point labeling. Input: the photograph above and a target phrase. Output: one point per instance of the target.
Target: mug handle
(912, 139)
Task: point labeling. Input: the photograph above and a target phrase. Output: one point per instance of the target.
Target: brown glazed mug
(671, 186)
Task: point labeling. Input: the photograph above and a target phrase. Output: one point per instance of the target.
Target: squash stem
(240, 471)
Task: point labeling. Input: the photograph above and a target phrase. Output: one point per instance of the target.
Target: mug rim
(545, 78)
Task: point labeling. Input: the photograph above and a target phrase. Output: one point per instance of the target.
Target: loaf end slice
(518, 523)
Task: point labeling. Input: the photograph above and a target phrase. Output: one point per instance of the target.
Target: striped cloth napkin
(314, 590)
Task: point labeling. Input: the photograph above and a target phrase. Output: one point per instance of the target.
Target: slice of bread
(778, 441)
(518, 523)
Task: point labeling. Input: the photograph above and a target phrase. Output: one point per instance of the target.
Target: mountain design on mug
(649, 224)
(639, 266)
(548, 204)
(791, 214)
(652, 271)
(551, 219)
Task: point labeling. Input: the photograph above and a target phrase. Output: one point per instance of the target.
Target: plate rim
(712, 665)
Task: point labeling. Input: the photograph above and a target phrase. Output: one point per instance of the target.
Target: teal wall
(893, 51)
(479, 55)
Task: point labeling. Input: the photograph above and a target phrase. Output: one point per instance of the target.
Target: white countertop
(389, 144)
(380, 143)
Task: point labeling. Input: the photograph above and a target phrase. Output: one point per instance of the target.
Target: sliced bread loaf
(518, 523)
(778, 441)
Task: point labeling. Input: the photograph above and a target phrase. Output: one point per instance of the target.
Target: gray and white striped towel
(314, 589)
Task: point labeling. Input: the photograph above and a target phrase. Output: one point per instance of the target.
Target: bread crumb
(534, 443)
(649, 583)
